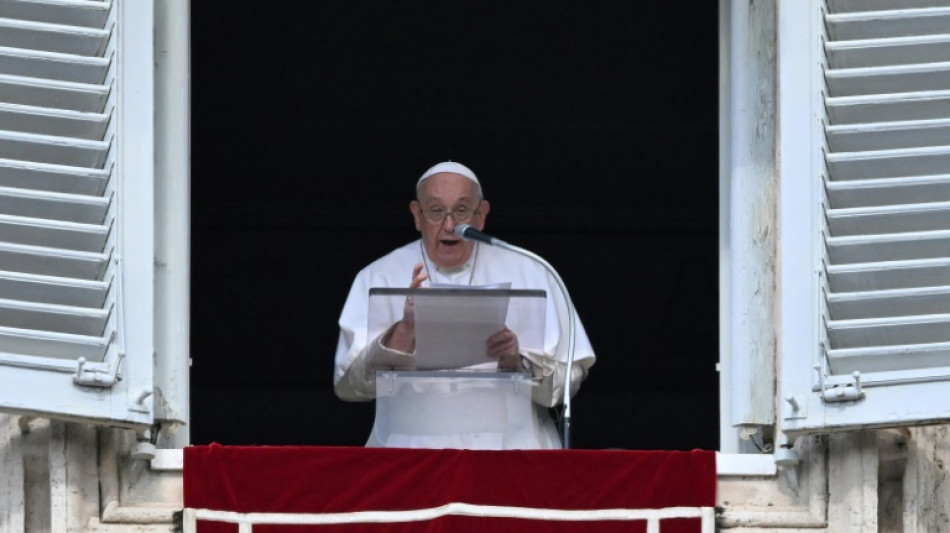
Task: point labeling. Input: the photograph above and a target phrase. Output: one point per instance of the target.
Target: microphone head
(461, 229)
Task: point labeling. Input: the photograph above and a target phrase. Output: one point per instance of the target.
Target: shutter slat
(889, 107)
(890, 331)
(890, 358)
(53, 150)
(52, 37)
(859, 277)
(53, 318)
(53, 66)
(54, 234)
(53, 290)
(888, 191)
(881, 220)
(85, 97)
(58, 122)
(29, 175)
(887, 52)
(888, 135)
(87, 13)
(909, 162)
(53, 344)
(891, 247)
(854, 6)
(53, 261)
(879, 24)
(891, 79)
(54, 206)
(893, 303)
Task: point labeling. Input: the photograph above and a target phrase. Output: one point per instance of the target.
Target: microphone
(469, 233)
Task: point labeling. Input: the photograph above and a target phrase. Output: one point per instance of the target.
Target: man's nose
(449, 222)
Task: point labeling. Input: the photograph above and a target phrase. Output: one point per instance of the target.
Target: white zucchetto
(450, 166)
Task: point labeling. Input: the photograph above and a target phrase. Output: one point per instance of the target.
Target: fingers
(504, 347)
(418, 276)
(408, 310)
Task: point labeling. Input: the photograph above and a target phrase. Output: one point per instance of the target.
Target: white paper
(453, 331)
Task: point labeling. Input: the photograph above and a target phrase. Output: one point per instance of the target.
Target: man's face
(449, 193)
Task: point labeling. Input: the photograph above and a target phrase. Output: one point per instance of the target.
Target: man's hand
(503, 346)
(408, 310)
(403, 335)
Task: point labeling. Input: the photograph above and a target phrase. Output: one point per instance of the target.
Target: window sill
(745, 464)
(168, 460)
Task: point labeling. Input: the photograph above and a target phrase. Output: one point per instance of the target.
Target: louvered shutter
(76, 230)
(879, 98)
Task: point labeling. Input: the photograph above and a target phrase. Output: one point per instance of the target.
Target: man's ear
(416, 214)
(483, 209)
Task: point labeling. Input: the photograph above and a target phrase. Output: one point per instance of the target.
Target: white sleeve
(549, 375)
(358, 382)
(357, 356)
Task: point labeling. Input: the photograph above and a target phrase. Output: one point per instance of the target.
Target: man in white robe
(449, 194)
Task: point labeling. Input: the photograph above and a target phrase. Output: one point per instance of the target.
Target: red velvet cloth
(300, 479)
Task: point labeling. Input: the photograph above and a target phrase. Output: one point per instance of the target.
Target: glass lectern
(456, 397)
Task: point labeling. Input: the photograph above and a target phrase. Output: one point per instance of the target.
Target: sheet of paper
(452, 330)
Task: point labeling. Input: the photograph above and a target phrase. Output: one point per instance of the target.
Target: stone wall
(66, 477)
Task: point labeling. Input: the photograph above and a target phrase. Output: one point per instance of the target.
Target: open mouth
(450, 242)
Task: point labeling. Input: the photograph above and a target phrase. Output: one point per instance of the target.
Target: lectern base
(458, 409)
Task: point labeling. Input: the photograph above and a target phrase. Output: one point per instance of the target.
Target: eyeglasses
(460, 214)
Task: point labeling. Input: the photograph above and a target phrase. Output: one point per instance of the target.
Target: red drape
(301, 479)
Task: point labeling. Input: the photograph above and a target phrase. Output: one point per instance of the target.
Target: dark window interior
(592, 126)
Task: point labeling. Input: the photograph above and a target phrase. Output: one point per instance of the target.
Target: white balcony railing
(652, 517)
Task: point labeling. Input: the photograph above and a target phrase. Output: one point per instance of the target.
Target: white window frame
(746, 399)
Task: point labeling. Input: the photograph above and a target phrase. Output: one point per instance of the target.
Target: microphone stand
(571, 312)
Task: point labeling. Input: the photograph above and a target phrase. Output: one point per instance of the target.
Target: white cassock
(357, 360)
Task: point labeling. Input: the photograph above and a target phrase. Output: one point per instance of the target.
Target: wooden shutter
(880, 101)
(76, 231)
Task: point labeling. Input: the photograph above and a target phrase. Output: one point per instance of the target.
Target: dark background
(592, 127)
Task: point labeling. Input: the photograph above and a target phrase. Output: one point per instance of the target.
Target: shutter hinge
(848, 392)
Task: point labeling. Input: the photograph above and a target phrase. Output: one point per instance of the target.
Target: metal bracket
(139, 404)
(794, 408)
(850, 392)
(96, 375)
(788, 462)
